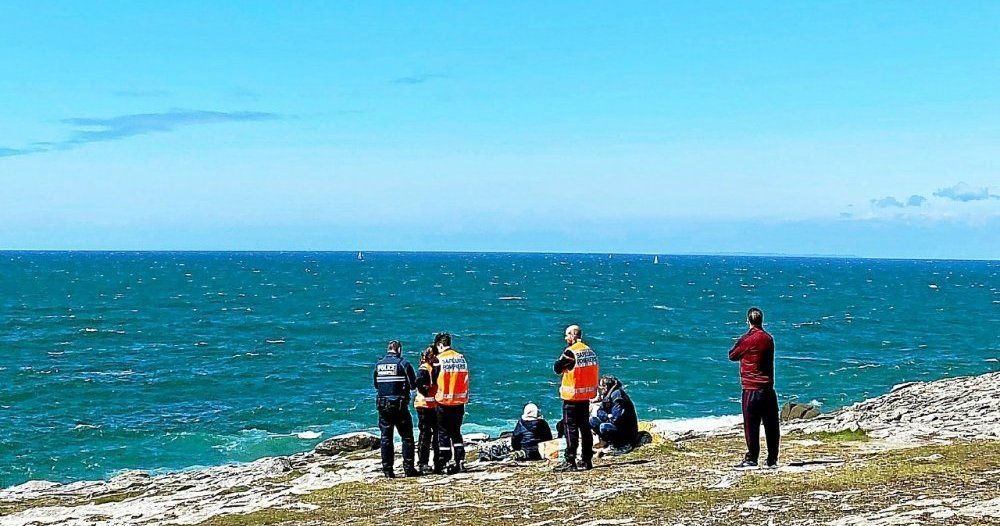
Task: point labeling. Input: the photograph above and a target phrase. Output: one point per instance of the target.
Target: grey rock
(795, 411)
(360, 441)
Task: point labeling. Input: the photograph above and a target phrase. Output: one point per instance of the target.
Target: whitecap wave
(701, 424)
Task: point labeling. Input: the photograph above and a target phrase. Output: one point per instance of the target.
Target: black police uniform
(394, 378)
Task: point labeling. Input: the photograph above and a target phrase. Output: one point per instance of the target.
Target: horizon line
(512, 252)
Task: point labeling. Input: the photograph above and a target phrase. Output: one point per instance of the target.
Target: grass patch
(258, 518)
(116, 497)
(898, 469)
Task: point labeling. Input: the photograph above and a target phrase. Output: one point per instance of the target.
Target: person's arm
(617, 410)
(743, 345)
(375, 377)
(544, 431)
(515, 439)
(423, 381)
(565, 362)
(411, 377)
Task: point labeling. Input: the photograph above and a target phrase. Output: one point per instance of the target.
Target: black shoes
(410, 472)
(579, 465)
(749, 463)
(388, 474)
(565, 467)
(456, 467)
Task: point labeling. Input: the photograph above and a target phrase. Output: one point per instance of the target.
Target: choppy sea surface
(166, 361)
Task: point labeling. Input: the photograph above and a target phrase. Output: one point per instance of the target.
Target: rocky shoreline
(955, 410)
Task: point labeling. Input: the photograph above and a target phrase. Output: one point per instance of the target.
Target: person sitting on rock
(616, 422)
(530, 430)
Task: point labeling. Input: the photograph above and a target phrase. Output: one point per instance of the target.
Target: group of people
(591, 404)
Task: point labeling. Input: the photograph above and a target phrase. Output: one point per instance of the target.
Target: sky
(832, 128)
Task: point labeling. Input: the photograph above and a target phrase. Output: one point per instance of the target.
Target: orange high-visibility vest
(453, 379)
(580, 382)
(426, 402)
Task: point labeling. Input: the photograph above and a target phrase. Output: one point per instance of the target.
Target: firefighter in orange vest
(451, 375)
(578, 367)
(426, 406)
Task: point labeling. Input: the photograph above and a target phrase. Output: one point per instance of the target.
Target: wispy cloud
(892, 202)
(418, 79)
(123, 126)
(89, 130)
(10, 152)
(964, 193)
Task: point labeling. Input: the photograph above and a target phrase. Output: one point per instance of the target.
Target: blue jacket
(617, 408)
(527, 435)
(393, 377)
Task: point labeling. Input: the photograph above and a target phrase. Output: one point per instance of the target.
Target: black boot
(565, 466)
(388, 473)
(410, 471)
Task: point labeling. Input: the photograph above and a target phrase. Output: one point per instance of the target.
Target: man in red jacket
(755, 352)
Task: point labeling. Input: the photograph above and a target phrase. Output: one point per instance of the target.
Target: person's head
(429, 354)
(442, 341)
(531, 412)
(573, 334)
(755, 317)
(395, 347)
(609, 383)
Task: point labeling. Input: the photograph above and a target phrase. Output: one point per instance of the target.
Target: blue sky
(789, 127)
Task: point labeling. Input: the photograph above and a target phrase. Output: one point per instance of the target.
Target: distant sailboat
(656, 260)
(361, 257)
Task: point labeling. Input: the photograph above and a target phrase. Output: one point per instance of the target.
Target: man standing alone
(578, 367)
(451, 374)
(394, 378)
(755, 352)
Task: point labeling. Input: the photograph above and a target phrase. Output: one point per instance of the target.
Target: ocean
(164, 361)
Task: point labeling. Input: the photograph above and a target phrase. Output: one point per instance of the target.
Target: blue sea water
(165, 361)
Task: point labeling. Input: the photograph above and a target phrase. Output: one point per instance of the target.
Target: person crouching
(616, 422)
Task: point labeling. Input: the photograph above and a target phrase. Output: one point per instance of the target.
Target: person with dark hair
(394, 378)
(579, 370)
(451, 375)
(426, 406)
(616, 422)
(530, 430)
(755, 352)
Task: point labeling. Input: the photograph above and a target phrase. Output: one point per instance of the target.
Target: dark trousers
(450, 433)
(427, 423)
(576, 416)
(761, 405)
(610, 433)
(395, 414)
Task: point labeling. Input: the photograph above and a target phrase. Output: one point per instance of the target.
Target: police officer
(451, 374)
(578, 367)
(394, 378)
